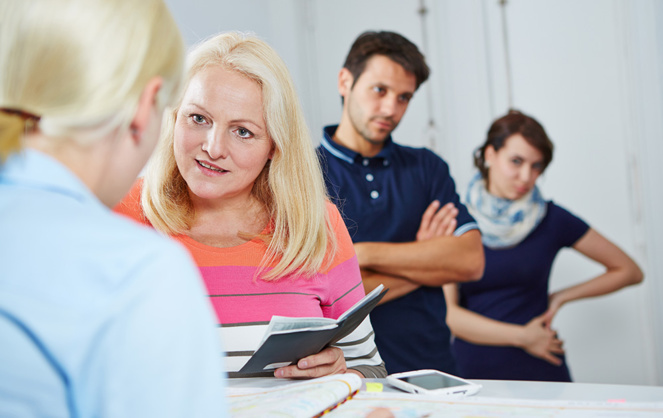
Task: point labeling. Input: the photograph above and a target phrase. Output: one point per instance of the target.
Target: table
(596, 392)
(569, 391)
(497, 398)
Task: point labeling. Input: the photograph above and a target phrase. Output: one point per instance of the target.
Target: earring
(486, 164)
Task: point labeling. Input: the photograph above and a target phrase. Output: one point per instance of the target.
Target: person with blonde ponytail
(99, 316)
(236, 180)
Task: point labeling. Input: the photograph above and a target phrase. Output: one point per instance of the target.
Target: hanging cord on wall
(431, 128)
(507, 56)
(489, 61)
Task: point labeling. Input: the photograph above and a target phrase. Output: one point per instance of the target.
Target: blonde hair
(291, 186)
(78, 67)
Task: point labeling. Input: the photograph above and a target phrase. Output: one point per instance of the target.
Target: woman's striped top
(245, 304)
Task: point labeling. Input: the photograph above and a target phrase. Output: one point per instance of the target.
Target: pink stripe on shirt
(239, 298)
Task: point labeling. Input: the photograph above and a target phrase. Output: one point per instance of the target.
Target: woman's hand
(540, 341)
(380, 413)
(328, 361)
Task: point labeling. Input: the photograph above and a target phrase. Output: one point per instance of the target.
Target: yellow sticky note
(373, 387)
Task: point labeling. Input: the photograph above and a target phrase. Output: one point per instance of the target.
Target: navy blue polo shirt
(382, 198)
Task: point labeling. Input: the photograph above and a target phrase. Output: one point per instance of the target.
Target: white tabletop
(569, 391)
(550, 391)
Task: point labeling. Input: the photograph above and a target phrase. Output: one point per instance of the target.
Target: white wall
(589, 70)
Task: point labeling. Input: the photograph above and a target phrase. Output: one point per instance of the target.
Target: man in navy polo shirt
(399, 203)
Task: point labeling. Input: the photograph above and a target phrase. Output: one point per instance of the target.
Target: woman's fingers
(328, 361)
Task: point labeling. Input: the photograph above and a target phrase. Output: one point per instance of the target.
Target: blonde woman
(98, 316)
(236, 180)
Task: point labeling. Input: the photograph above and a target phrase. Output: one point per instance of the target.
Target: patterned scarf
(504, 223)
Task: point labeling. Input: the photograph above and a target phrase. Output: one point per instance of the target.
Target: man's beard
(365, 132)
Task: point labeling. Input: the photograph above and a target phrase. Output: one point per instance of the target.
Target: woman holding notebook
(235, 179)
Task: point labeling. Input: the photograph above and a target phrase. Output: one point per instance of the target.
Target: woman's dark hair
(513, 123)
(391, 45)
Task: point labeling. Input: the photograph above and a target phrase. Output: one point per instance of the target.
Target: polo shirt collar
(348, 155)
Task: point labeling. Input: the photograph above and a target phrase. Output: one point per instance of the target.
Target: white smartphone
(432, 382)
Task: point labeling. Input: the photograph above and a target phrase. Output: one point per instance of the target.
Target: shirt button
(369, 177)
(365, 162)
(385, 163)
(375, 194)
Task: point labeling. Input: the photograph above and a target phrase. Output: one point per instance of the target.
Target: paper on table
(409, 405)
(300, 399)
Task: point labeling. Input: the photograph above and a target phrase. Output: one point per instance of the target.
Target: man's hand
(442, 258)
(328, 361)
(437, 223)
(434, 223)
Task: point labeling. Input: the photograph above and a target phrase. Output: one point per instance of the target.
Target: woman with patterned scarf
(502, 322)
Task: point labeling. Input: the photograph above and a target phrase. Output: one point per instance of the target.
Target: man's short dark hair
(393, 46)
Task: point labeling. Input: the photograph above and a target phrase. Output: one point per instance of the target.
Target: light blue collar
(33, 169)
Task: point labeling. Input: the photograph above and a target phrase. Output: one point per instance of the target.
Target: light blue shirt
(98, 316)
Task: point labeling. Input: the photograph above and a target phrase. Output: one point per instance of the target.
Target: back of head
(79, 66)
(390, 44)
(514, 122)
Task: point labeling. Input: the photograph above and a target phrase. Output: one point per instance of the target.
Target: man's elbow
(474, 265)
(475, 260)
(476, 268)
(470, 272)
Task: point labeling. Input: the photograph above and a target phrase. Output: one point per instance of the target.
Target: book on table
(309, 398)
(288, 339)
